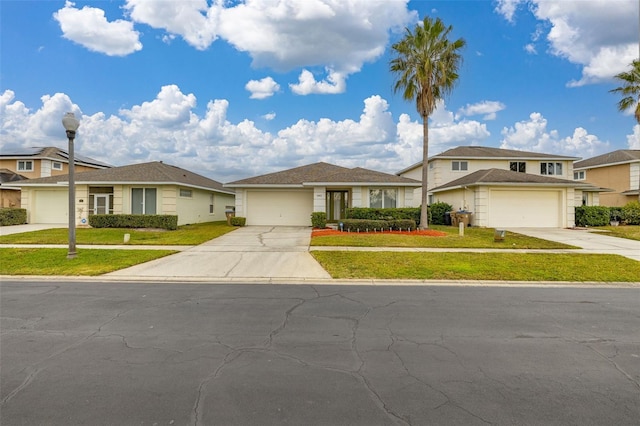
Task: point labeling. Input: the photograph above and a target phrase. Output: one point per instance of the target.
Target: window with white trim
(383, 198)
(25, 165)
(551, 169)
(459, 166)
(518, 166)
(579, 175)
(211, 198)
(186, 193)
(143, 200)
(56, 165)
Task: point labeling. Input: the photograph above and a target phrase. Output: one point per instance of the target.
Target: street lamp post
(71, 123)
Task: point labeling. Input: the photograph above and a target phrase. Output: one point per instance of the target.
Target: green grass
(184, 235)
(479, 266)
(473, 238)
(630, 232)
(52, 261)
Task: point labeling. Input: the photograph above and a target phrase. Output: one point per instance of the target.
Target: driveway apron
(256, 252)
(590, 242)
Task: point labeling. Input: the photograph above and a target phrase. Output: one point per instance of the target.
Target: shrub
(238, 221)
(371, 225)
(169, 222)
(411, 213)
(438, 211)
(630, 213)
(13, 217)
(592, 215)
(319, 220)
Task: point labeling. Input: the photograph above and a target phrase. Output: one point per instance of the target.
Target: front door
(101, 204)
(337, 203)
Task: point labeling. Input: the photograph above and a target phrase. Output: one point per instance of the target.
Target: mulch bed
(426, 232)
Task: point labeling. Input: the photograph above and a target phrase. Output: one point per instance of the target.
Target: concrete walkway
(253, 252)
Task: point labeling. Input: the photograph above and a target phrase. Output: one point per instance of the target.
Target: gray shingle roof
(155, 172)
(324, 172)
(500, 176)
(52, 153)
(615, 157)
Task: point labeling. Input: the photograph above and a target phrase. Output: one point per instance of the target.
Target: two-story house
(618, 170)
(37, 162)
(505, 188)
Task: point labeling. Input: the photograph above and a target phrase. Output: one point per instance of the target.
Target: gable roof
(502, 177)
(7, 175)
(489, 153)
(51, 153)
(620, 156)
(155, 172)
(323, 173)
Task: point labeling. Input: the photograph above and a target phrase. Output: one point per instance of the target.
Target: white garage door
(286, 208)
(50, 207)
(525, 209)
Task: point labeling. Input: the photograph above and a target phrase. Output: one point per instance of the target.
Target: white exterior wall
(196, 208)
(570, 207)
(241, 201)
(357, 196)
(45, 168)
(319, 199)
(634, 176)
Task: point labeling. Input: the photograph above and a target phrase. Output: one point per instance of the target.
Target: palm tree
(426, 69)
(630, 91)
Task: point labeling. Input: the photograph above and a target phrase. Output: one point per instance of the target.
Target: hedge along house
(148, 188)
(289, 197)
(503, 198)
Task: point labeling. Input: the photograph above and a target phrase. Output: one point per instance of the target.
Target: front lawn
(473, 238)
(631, 232)
(479, 266)
(53, 261)
(185, 235)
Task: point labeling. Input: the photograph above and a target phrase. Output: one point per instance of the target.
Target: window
(187, 193)
(56, 165)
(25, 165)
(518, 166)
(579, 175)
(383, 198)
(211, 203)
(459, 166)
(143, 201)
(551, 169)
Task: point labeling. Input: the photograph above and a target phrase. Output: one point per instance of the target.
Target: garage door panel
(287, 208)
(525, 209)
(50, 207)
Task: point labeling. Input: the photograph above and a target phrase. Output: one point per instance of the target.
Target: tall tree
(630, 91)
(425, 65)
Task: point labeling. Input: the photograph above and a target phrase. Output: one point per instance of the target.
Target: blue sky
(232, 89)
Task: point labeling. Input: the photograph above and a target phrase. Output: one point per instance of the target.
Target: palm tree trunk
(424, 217)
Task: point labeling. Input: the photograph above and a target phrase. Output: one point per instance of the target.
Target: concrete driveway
(591, 242)
(256, 252)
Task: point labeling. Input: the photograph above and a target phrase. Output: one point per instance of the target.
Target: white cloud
(531, 49)
(89, 27)
(170, 108)
(307, 84)
(488, 109)
(633, 140)
(262, 89)
(269, 116)
(533, 135)
(596, 34)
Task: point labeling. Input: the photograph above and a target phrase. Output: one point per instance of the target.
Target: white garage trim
(50, 206)
(543, 208)
(273, 207)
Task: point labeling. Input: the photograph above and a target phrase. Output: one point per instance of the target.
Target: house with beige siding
(618, 170)
(148, 188)
(289, 197)
(503, 187)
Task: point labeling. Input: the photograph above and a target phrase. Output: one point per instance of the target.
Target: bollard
(127, 237)
(461, 229)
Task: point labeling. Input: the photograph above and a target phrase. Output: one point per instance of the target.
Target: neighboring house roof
(7, 175)
(51, 153)
(500, 177)
(620, 156)
(146, 173)
(488, 153)
(323, 173)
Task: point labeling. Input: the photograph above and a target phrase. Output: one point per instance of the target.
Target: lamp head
(70, 122)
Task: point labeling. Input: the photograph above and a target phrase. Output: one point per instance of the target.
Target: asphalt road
(92, 353)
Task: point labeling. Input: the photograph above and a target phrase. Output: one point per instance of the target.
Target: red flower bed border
(425, 232)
